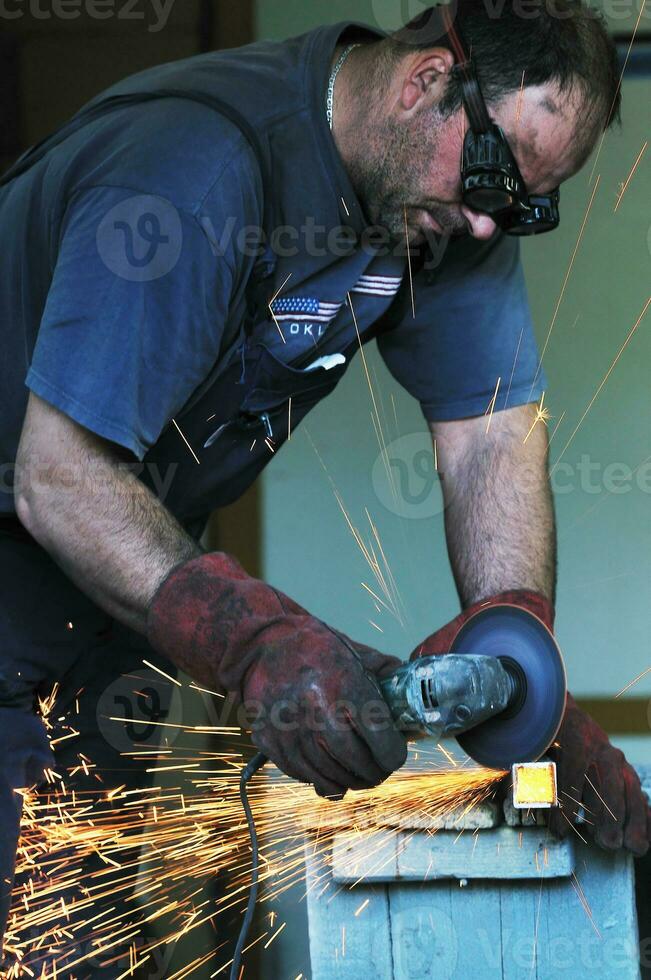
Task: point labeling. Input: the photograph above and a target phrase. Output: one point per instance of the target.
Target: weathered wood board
(573, 917)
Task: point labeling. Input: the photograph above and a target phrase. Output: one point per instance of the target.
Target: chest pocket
(261, 397)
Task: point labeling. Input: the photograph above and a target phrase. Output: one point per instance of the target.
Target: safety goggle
(491, 180)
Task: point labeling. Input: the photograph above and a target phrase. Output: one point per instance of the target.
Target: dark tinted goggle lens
(538, 215)
(488, 200)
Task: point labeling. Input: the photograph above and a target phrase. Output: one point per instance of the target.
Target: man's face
(414, 166)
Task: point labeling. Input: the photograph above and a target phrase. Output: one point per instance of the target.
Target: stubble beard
(389, 173)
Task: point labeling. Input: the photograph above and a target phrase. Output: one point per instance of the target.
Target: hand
(319, 713)
(594, 774)
(443, 640)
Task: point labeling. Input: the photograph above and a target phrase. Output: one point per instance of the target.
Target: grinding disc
(526, 647)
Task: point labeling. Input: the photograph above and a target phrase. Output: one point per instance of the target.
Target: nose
(481, 226)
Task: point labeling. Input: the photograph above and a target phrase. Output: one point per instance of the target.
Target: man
(142, 321)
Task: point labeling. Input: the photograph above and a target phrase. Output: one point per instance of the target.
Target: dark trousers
(50, 633)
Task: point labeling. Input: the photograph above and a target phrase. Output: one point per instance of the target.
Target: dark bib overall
(50, 631)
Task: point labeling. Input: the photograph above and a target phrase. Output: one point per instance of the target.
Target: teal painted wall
(602, 480)
(603, 499)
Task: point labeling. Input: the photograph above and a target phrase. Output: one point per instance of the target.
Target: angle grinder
(500, 690)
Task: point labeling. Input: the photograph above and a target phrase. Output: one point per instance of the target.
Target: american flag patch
(378, 285)
(298, 308)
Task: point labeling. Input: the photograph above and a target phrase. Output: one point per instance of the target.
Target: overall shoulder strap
(264, 268)
(96, 111)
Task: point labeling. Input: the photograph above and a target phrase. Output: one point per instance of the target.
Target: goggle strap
(480, 121)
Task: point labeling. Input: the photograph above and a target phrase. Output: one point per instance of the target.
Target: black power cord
(256, 763)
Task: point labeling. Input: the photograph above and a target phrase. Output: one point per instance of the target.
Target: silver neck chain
(330, 98)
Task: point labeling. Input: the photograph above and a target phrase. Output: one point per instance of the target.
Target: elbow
(31, 503)
(26, 506)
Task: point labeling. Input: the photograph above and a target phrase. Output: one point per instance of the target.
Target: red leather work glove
(319, 716)
(442, 640)
(594, 773)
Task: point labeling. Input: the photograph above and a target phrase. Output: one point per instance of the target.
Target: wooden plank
(484, 816)
(588, 926)
(425, 937)
(479, 951)
(234, 23)
(373, 856)
(237, 530)
(349, 927)
(519, 902)
(621, 716)
(498, 854)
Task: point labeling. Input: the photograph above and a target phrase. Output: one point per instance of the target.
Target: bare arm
(110, 535)
(499, 515)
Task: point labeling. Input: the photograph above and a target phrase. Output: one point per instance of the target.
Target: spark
(634, 681)
(381, 440)
(557, 427)
(164, 846)
(617, 90)
(584, 902)
(273, 300)
(115, 792)
(515, 361)
(205, 690)
(376, 597)
(176, 426)
(567, 820)
(345, 207)
(624, 186)
(600, 797)
(518, 110)
(603, 383)
(566, 280)
(542, 415)
(411, 275)
(168, 677)
(491, 407)
(289, 422)
(276, 933)
(362, 907)
(447, 755)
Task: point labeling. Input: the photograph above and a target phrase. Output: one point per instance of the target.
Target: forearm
(499, 514)
(110, 535)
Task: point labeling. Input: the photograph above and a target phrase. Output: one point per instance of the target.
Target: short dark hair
(560, 41)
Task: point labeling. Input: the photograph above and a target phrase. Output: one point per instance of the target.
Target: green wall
(603, 478)
(604, 508)
(286, 18)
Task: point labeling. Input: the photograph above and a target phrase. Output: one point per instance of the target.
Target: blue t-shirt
(128, 249)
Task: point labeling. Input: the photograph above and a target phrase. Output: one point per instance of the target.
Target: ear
(424, 74)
